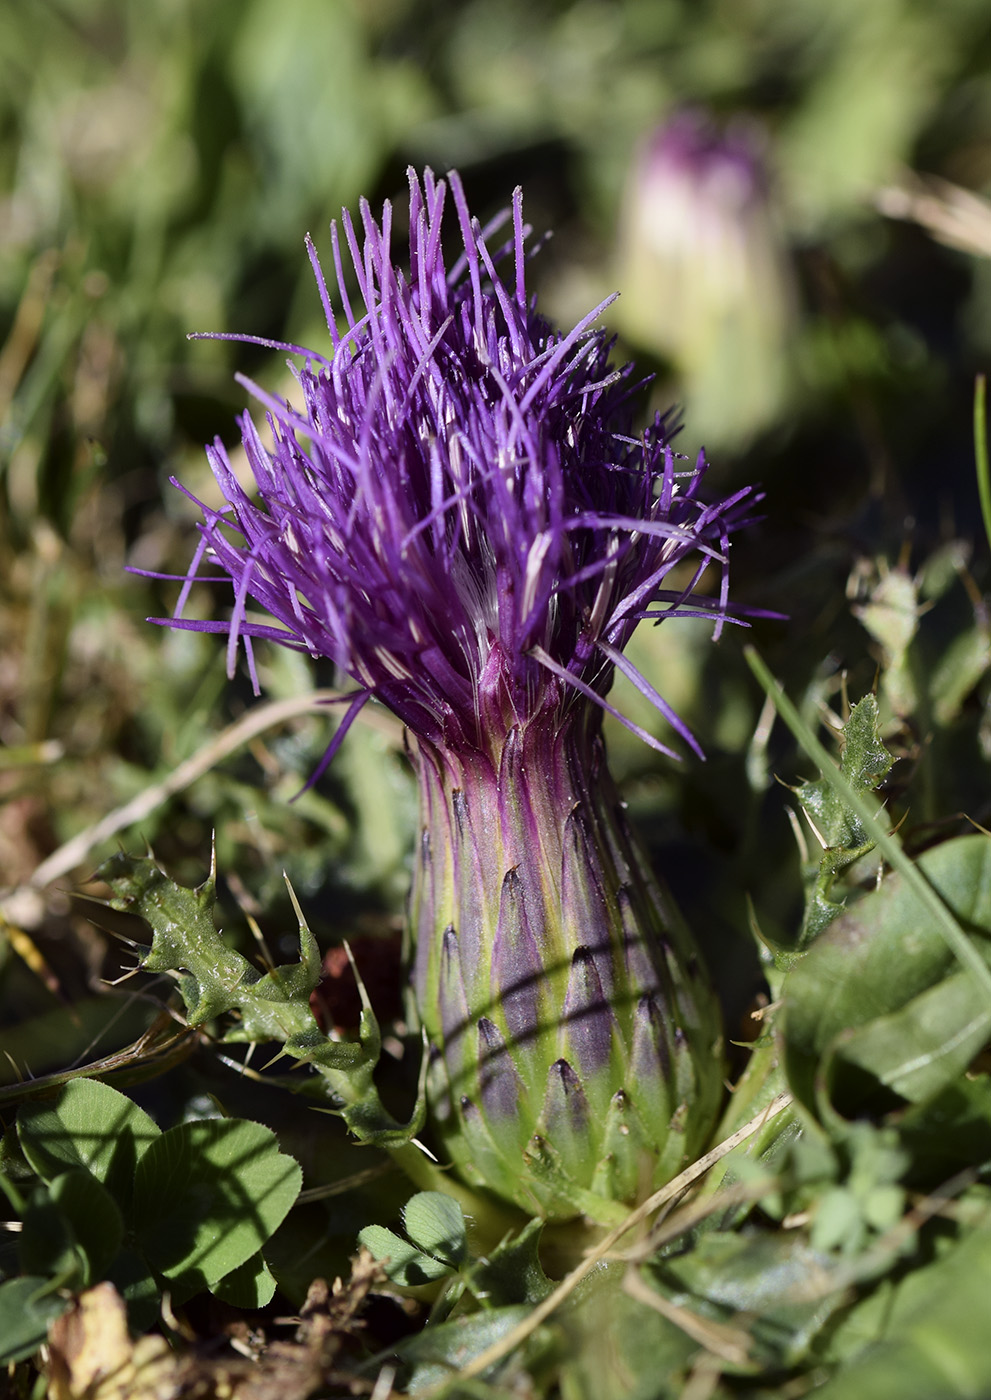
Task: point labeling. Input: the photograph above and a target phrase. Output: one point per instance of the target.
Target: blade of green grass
(981, 451)
(886, 842)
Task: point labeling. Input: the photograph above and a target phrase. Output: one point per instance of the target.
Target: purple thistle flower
(463, 519)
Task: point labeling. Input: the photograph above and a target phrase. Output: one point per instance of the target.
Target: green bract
(577, 1043)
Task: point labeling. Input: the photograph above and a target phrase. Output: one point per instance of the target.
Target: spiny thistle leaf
(216, 980)
(864, 762)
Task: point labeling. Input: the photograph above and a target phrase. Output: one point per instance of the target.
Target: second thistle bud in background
(704, 276)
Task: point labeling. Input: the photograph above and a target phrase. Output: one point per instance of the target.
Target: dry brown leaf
(92, 1356)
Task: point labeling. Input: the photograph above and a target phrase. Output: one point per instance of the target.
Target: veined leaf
(207, 1195)
(89, 1125)
(874, 961)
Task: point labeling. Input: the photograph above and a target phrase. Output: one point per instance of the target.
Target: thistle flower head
(460, 514)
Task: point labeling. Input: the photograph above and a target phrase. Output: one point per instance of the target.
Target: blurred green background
(160, 164)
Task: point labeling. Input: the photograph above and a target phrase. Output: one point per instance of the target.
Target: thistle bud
(705, 277)
(462, 517)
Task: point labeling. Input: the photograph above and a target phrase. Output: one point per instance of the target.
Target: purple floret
(461, 516)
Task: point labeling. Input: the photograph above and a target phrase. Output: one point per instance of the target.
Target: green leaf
(249, 1286)
(777, 1280)
(26, 1309)
(207, 1195)
(617, 1348)
(89, 1125)
(512, 1273)
(951, 1132)
(96, 1222)
(958, 671)
(892, 615)
(214, 978)
(436, 1354)
(934, 1334)
(864, 762)
(14, 1166)
(404, 1263)
(876, 959)
(436, 1223)
(838, 1221)
(921, 1048)
(48, 1245)
(136, 1284)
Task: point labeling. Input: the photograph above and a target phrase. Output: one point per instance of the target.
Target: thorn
(16, 1068)
(366, 1005)
(129, 942)
(799, 835)
(241, 1069)
(267, 959)
(125, 977)
(295, 903)
(815, 831)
